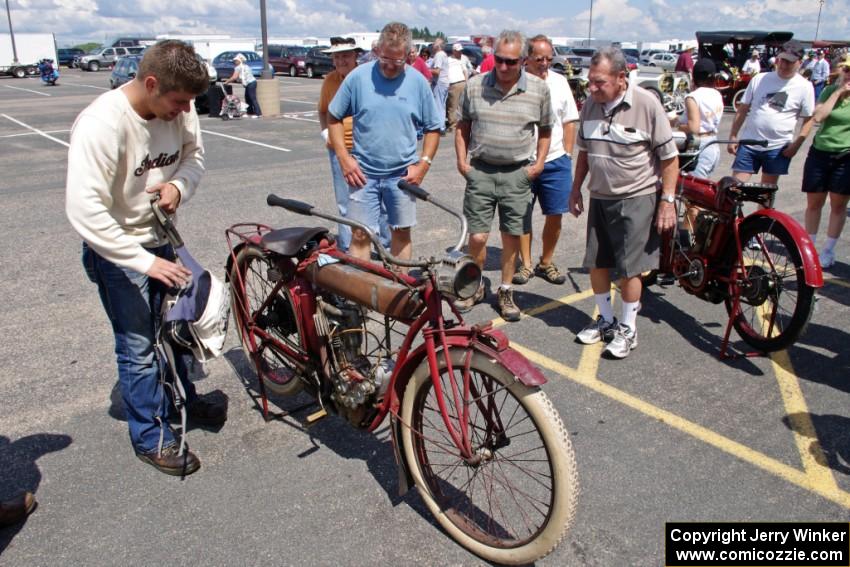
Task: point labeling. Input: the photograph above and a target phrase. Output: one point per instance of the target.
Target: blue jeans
(251, 99)
(342, 192)
(382, 194)
(132, 302)
(708, 158)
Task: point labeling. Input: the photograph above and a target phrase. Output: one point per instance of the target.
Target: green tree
(88, 46)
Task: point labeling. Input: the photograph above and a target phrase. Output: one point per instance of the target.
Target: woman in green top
(827, 168)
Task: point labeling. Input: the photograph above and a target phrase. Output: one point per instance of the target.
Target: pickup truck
(104, 57)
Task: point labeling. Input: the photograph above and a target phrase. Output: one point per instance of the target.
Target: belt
(500, 167)
(456, 82)
(706, 134)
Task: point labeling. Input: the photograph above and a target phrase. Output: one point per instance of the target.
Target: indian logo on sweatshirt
(161, 160)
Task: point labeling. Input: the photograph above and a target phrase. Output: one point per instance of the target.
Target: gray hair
(529, 46)
(396, 34)
(509, 36)
(614, 57)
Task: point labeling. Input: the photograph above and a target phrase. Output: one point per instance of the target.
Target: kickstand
(724, 346)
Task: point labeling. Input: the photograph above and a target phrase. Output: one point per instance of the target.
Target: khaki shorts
(491, 186)
(621, 235)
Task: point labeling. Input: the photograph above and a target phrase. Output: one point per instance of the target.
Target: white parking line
(36, 130)
(298, 101)
(246, 141)
(88, 86)
(293, 117)
(27, 90)
(34, 133)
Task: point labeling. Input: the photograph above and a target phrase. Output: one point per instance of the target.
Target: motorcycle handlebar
(298, 207)
(414, 190)
(423, 195)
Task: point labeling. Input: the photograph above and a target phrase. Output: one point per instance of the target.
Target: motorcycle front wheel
(515, 499)
(776, 303)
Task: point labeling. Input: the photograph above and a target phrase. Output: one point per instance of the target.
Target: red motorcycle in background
(762, 266)
(471, 427)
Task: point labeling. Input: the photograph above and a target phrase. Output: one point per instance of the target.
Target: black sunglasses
(504, 61)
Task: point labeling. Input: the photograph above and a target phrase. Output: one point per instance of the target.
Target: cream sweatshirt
(115, 155)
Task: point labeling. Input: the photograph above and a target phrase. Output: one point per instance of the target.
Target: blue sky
(620, 20)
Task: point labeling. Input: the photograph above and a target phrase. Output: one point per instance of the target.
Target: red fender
(482, 338)
(811, 264)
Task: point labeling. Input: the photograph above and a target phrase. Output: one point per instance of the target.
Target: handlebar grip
(414, 190)
(746, 142)
(290, 205)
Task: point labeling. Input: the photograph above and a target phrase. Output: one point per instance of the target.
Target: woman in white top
(242, 73)
(703, 111)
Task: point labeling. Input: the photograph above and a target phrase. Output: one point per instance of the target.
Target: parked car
(318, 63)
(666, 61)
(472, 51)
(289, 59)
(223, 63)
(585, 54)
(647, 53)
(103, 57)
(565, 61)
(124, 71)
(66, 56)
(631, 52)
(631, 62)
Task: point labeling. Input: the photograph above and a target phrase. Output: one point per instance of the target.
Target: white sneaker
(827, 258)
(597, 331)
(624, 341)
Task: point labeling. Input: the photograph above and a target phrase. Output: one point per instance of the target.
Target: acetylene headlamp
(458, 275)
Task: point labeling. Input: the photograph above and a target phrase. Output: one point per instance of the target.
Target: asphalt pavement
(671, 433)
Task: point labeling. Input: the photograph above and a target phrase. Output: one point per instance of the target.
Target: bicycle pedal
(317, 416)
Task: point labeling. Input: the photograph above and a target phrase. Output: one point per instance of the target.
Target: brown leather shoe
(507, 308)
(169, 462)
(464, 305)
(15, 510)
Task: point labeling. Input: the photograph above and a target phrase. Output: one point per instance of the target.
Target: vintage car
(670, 88)
(730, 49)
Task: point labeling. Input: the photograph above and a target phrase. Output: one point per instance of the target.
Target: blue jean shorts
(365, 203)
(747, 160)
(552, 187)
(826, 172)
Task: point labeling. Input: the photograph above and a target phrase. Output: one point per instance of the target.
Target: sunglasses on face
(504, 61)
(542, 59)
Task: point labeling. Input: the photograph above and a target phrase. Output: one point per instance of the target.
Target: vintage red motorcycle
(762, 266)
(471, 427)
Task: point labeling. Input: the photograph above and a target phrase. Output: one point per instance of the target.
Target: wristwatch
(426, 159)
(668, 198)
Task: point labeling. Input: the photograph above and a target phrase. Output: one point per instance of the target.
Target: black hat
(704, 67)
(792, 51)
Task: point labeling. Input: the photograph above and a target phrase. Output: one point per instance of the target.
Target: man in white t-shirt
(752, 66)
(128, 146)
(769, 110)
(440, 72)
(460, 70)
(552, 187)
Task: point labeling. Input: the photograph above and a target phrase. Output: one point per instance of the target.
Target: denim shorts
(365, 203)
(826, 172)
(552, 187)
(747, 160)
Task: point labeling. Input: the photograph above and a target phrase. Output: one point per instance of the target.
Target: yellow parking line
(837, 281)
(800, 478)
(554, 304)
(801, 424)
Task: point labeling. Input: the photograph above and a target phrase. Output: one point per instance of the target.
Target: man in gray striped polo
(626, 145)
(494, 142)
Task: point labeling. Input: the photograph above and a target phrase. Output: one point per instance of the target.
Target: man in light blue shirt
(820, 73)
(389, 102)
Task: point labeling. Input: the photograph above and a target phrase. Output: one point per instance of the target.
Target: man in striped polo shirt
(494, 142)
(626, 145)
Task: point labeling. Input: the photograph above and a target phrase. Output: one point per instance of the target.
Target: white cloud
(624, 20)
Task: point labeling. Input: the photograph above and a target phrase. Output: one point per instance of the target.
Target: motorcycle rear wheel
(278, 319)
(515, 500)
(773, 288)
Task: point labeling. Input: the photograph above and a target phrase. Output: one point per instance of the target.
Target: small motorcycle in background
(49, 73)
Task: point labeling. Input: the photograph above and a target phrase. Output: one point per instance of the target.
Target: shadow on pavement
(833, 432)
(20, 471)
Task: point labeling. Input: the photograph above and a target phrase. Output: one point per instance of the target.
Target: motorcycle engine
(356, 380)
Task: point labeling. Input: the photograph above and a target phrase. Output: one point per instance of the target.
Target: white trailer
(208, 46)
(30, 47)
